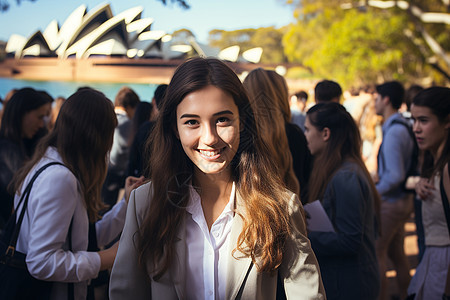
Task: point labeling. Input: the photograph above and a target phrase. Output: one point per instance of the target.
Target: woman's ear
(326, 133)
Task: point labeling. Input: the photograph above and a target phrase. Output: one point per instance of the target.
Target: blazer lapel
(239, 265)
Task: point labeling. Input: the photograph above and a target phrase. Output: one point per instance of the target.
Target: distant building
(98, 33)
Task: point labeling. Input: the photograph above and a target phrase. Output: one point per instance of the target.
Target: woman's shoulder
(142, 198)
(347, 173)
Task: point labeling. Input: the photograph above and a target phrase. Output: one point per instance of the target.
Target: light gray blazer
(299, 271)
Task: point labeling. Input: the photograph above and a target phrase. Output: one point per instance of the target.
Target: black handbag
(15, 280)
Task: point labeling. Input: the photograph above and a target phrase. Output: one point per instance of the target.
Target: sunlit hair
(21, 102)
(437, 99)
(282, 93)
(270, 121)
(343, 145)
(82, 135)
(266, 222)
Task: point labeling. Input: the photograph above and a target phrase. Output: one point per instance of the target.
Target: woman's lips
(210, 154)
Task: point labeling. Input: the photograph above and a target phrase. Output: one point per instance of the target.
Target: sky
(203, 16)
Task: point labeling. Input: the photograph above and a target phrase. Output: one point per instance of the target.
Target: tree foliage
(366, 41)
(269, 38)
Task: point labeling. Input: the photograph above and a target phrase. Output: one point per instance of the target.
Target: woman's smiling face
(208, 129)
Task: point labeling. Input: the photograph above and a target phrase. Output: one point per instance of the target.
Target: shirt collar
(194, 206)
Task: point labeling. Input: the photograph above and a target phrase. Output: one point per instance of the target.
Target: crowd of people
(222, 188)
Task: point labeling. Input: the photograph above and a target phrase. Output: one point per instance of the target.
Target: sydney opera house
(96, 45)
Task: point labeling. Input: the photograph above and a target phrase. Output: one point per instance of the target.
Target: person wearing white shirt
(216, 221)
(68, 196)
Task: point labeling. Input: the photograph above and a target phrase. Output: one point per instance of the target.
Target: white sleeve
(51, 207)
(110, 226)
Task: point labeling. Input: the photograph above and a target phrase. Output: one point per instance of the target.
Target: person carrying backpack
(394, 162)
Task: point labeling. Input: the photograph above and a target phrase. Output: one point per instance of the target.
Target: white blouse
(207, 252)
(55, 201)
(433, 218)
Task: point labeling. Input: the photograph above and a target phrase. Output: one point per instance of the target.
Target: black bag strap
(25, 195)
(445, 200)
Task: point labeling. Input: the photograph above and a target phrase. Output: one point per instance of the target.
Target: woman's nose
(416, 126)
(209, 135)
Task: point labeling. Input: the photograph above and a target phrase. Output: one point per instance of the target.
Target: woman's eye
(191, 122)
(223, 120)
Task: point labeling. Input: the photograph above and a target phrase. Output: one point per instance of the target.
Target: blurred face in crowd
(431, 134)
(208, 129)
(33, 120)
(316, 138)
(379, 104)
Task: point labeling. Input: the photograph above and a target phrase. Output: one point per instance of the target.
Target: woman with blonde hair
(216, 221)
(271, 124)
(301, 157)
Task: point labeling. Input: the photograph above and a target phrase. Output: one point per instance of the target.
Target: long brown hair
(344, 144)
(82, 135)
(271, 123)
(282, 93)
(266, 222)
(437, 99)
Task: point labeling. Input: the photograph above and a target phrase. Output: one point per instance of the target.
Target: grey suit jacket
(299, 271)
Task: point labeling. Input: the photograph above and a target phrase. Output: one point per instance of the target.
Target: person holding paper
(342, 184)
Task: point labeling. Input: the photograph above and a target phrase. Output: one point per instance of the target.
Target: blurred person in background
(22, 120)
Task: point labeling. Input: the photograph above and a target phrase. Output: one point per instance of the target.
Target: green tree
(360, 41)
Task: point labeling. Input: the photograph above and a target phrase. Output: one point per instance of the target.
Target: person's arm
(128, 280)
(300, 270)
(51, 209)
(110, 226)
(397, 151)
(351, 203)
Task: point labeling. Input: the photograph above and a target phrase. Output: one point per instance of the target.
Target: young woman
(431, 113)
(343, 185)
(23, 117)
(216, 221)
(271, 124)
(68, 196)
(301, 157)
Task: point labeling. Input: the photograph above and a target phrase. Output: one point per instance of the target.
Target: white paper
(317, 219)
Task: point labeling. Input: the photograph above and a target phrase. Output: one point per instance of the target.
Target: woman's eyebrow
(224, 112)
(189, 116)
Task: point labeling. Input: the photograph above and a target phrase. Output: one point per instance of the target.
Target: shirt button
(210, 293)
